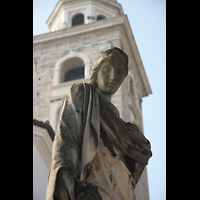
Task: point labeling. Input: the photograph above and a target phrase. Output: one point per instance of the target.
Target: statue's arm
(135, 167)
(67, 149)
(67, 144)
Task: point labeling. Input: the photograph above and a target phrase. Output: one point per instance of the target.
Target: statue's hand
(85, 190)
(79, 186)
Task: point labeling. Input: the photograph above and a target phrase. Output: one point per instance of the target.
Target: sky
(147, 19)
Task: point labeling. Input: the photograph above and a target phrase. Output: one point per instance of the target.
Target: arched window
(78, 19)
(72, 69)
(74, 74)
(70, 61)
(100, 17)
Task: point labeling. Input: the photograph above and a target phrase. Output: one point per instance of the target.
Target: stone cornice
(76, 30)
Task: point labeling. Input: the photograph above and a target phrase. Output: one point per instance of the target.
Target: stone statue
(96, 155)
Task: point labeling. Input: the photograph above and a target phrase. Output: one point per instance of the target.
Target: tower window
(78, 19)
(72, 69)
(100, 17)
(74, 74)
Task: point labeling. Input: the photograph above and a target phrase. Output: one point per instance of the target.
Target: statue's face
(111, 75)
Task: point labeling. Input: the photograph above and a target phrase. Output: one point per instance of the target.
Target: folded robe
(76, 140)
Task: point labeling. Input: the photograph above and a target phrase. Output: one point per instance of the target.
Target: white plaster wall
(40, 176)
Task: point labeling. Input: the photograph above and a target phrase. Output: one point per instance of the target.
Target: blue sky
(147, 19)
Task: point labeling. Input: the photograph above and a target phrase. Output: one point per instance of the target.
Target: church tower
(79, 30)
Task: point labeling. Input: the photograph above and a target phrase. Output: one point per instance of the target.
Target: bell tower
(79, 30)
(69, 13)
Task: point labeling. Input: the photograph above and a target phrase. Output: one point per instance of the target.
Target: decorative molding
(43, 142)
(88, 41)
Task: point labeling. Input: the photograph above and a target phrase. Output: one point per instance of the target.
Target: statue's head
(109, 70)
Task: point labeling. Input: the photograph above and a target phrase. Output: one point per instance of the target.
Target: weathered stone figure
(96, 155)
